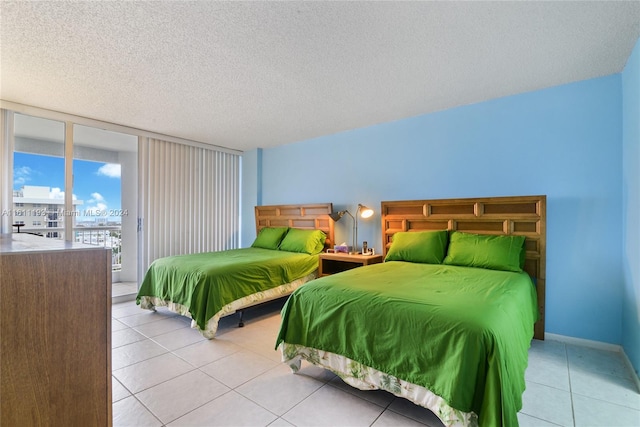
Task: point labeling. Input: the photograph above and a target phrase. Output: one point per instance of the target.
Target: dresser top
(25, 242)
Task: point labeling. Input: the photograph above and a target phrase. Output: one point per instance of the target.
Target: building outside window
(34, 205)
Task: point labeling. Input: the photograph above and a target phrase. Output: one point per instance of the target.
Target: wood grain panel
(532, 245)
(56, 338)
(522, 227)
(305, 216)
(518, 215)
(407, 210)
(481, 227)
(419, 225)
(511, 209)
(451, 209)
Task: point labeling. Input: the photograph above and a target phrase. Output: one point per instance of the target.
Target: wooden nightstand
(331, 263)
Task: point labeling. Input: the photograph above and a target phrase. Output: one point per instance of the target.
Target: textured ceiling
(258, 74)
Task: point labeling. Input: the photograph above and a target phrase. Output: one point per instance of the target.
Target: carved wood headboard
(518, 215)
(306, 216)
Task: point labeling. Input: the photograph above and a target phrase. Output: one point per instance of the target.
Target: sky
(97, 184)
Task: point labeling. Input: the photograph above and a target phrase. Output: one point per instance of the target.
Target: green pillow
(428, 247)
(485, 251)
(269, 237)
(306, 241)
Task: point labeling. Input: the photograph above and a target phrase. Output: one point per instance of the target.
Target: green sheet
(206, 282)
(461, 332)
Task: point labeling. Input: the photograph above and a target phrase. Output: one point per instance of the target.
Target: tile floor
(167, 374)
(123, 291)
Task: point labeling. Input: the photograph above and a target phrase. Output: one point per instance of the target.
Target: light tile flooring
(123, 291)
(167, 374)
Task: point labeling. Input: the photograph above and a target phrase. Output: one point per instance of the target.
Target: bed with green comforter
(452, 339)
(207, 286)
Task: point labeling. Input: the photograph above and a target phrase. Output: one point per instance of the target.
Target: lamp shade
(337, 215)
(365, 212)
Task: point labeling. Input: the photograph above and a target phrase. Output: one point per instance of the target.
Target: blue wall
(565, 142)
(250, 194)
(631, 207)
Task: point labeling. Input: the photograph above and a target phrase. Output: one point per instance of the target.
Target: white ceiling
(258, 74)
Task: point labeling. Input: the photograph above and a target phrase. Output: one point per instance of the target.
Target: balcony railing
(108, 236)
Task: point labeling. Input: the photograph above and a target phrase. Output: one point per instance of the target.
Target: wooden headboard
(518, 215)
(308, 216)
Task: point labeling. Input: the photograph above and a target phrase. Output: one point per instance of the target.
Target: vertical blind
(6, 171)
(189, 199)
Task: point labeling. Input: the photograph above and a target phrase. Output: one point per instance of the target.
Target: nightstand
(331, 263)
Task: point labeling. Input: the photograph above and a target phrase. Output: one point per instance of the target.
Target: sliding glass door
(105, 163)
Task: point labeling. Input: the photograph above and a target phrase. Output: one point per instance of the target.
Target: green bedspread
(206, 282)
(461, 332)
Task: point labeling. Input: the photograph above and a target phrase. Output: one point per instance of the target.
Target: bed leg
(240, 322)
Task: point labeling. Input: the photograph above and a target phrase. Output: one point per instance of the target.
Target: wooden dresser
(55, 330)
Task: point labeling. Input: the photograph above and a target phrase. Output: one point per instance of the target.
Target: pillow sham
(427, 247)
(270, 237)
(494, 252)
(306, 241)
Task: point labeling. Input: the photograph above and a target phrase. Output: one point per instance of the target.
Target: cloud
(22, 175)
(111, 170)
(96, 207)
(57, 193)
(96, 197)
(99, 210)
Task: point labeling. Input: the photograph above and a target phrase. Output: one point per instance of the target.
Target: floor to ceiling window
(38, 176)
(142, 194)
(100, 213)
